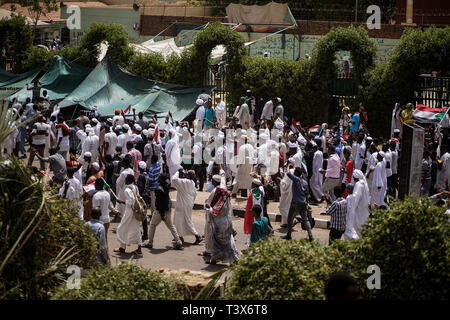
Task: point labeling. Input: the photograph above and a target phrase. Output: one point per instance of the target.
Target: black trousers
(335, 234)
(293, 211)
(200, 172)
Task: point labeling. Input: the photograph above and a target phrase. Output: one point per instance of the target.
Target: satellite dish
(135, 6)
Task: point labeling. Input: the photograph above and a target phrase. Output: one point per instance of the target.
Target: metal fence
(433, 91)
(216, 76)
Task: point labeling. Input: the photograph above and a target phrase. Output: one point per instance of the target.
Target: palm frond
(208, 290)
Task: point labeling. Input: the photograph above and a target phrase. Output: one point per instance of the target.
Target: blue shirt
(98, 229)
(355, 120)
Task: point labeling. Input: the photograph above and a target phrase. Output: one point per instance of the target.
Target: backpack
(139, 207)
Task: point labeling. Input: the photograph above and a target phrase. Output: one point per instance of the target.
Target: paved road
(163, 256)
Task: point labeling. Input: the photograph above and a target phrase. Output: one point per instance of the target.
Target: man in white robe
(285, 198)
(317, 176)
(245, 160)
(379, 182)
(395, 122)
(361, 201)
(172, 150)
(350, 231)
(186, 194)
(124, 138)
(120, 183)
(221, 112)
(73, 190)
(360, 153)
(242, 113)
(129, 229)
(91, 144)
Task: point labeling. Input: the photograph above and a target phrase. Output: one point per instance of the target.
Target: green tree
(38, 8)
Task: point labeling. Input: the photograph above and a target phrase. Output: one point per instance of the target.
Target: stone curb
(275, 217)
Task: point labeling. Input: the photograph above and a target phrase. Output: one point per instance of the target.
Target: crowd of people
(107, 164)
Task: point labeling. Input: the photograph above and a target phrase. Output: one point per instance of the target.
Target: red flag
(156, 137)
(127, 109)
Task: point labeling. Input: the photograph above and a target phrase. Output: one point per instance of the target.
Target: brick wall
(152, 25)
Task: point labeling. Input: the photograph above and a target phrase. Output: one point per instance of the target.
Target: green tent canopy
(109, 88)
(11, 83)
(61, 78)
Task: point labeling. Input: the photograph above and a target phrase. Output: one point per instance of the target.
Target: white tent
(168, 47)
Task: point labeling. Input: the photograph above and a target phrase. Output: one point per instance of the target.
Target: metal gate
(216, 76)
(433, 91)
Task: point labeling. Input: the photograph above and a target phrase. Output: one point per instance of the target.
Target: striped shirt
(338, 212)
(154, 172)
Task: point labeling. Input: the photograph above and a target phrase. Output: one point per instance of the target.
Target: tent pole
(75, 110)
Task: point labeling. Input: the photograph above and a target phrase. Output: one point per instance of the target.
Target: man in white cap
(242, 113)
(245, 161)
(317, 177)
(120, 183)
(360, 201)
(72, 189)
(90, 144)
(395, 122)
(379, 182)
(279, 111)
(110, 141)
(186, 193)
(82, 174)
(124, 138)
(219, 240)
(267, 113)
(221, 112)
(285, 197)
(101, 200)
(200, 113)
(172, 153)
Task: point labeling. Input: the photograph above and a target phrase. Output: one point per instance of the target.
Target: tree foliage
(16, 32)
(123, 282)
(39, 236)
(38, 8)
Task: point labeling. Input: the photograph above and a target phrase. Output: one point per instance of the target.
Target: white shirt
(112, 140)
(101, 199)
(394, 163)
(267, 112)
(388, 158)
(221, 110)
(40, 139)
(200, 114)
(65, 144)
(118, 120)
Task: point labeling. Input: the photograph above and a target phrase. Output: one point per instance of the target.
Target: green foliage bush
(39, 235)
(276, 269)
(410, 243)
(123, 282)
(149, 66)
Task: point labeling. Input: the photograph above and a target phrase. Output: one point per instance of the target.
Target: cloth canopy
(61, 78)
(109, 87)
(260, 18)
(168, 47)
(11, 83)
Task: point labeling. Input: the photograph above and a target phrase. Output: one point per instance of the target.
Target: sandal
(204, 254)
(198, 239)
(119, 250)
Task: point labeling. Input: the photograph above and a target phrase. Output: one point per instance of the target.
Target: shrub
(411, 245)
(123, 282)
(281, 270)
(149, 66)
(39, 235)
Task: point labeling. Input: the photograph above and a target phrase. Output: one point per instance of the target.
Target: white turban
(217, 178)
(142, 165)
(87, 154)
(381, 153)
(96, 166)
(199, 102)
(137, 127)
(119, 127)
(257, 182)
(145, 132)
(126, 127)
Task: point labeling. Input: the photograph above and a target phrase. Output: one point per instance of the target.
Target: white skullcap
(279, 99)
(119, 127)
(369, 138)
(96, 166)
(109, 120)
(217, 97)
(126, 127)
(396, 130)
(87, 154)
(243, 132)
(381, 153)
(257, 182)
(291, 160)
(145, 132)
(89, 130)
(88, 125)
(199, 102)
(137, 127)
(152, 131)
(220, 135)
(217, 178)
(142, 165)
(95, 120)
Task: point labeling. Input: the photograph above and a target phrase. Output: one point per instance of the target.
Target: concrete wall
(124, 16)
